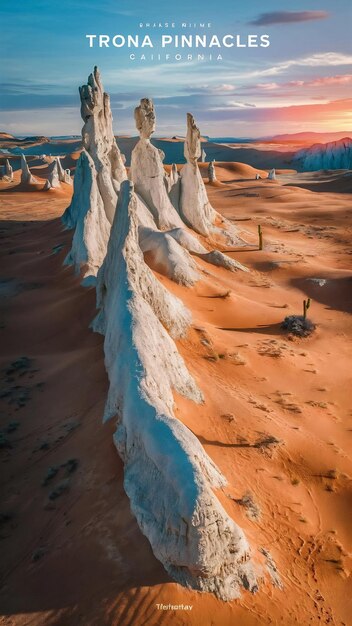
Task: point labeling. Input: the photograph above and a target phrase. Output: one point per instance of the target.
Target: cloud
(266, 86)
(288, 17)
(323, 81)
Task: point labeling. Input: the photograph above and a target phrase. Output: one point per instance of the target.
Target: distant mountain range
(334, 155)
(308, 137)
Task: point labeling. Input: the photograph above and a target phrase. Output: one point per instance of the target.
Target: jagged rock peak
(26, 176)
(195, 208)
(99, 140)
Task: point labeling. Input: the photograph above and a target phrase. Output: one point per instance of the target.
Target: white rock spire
(147, 171)
(195, 208)
(26, 176)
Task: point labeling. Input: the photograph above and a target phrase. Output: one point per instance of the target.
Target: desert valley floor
(276, 420)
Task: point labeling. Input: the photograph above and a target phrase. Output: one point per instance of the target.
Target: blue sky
(303, 81)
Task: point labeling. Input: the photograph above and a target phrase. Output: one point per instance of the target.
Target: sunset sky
(302, 82)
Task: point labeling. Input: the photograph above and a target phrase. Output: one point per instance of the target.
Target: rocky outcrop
(8, 170)
(64, 175)
(60, 170)
(335, 155)
(204, 156)
(175, 187)
(147, 171)
(167, 256)
(53, 178)
(99, 173)
(67, 177)
(195, 208)
(211, 172)
(272, 175)
(168, 477)
(26, 176)
(92, 227)
(99, 142)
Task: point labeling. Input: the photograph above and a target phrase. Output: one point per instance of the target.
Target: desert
(165, 440)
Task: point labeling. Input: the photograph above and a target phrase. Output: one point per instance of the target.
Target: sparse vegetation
(223, 296)
(51, 473)
(12, 426)
(252, 509)
(38, 554)
(71, 465)
(59, 490)
(4, 441)
(298, 325)
(332, 473)
(266, 442)
(306, 305)
(229, 417)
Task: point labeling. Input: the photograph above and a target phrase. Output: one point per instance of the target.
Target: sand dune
(276, 418)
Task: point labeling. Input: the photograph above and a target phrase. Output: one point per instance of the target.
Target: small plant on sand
(260, 237)
(306, 305)
(299, 325)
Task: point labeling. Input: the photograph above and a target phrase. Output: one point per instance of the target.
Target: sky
(301, 82)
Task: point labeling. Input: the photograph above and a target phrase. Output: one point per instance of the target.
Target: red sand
(80, 559)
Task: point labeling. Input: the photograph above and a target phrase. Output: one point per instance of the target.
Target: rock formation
(168, 477)
(92, 227)
(147, 171)
(211, 172)
(60, 170)
(67, 177)
(175, 187)
(64, 175)
(174, 175)
(99, 173)
(257, 177)
(204, 156)
(195, 208)
(272, 174)
(26, 176)
(53, 178)
(99, 142)
(8, 170)
(167, 255)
